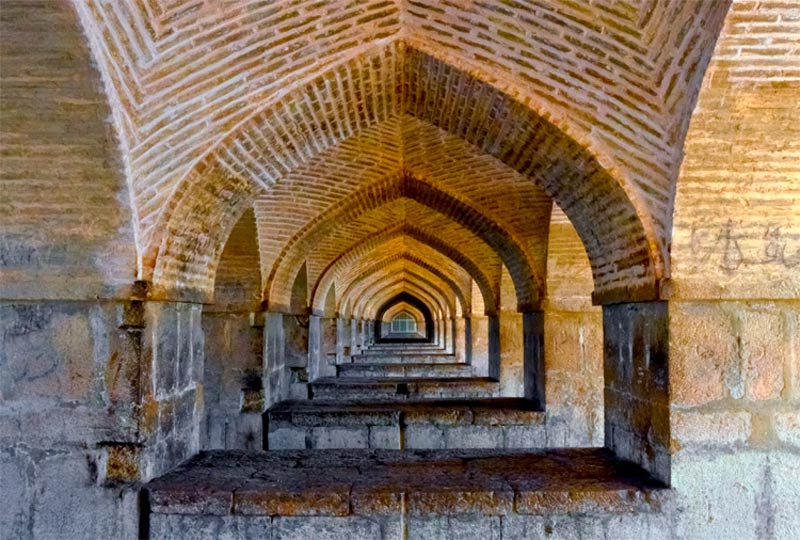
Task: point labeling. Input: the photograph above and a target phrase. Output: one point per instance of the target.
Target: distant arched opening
(412, 323)
(404, 323)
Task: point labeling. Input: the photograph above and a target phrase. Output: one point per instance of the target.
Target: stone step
(404, 358)
(414, 494)
(404, 350)
(479, 423)
(394, 388)
(405, 370)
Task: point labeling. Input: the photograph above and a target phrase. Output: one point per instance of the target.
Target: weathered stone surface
(327, 528)
(474, 437)
(423, 436)
(787, 427)
(328, 499)
(702, 348)
(333, 437)
(208, 527)
(463, 527)
(423, 483)
(636, 373)
(764, 350)
(717, 495)
(691, 428)
(779, 501)
(385, 437)
(70, 505)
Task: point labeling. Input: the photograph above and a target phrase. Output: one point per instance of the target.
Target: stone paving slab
(416, 482)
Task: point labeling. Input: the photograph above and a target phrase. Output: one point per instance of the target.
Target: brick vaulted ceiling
(344, 120)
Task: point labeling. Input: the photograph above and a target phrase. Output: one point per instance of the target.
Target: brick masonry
(605, 97)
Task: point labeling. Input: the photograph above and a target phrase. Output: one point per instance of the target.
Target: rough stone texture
(298, 483)
(94, 395)
(399, 388)
(413, 146)
(68, 381)
(232, 365)
(173, 353)
(495, 423)
(636, 373)
(167, 526)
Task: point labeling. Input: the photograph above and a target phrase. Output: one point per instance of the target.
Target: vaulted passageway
(399, 269)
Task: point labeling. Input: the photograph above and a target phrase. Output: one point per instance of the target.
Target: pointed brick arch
(488, 286)
(528, 285)
(390, 288)
(390, 294)
(365, 258)
(372, 263)
(623, 89)
(359, 294)
(440, 307)
(625, 249)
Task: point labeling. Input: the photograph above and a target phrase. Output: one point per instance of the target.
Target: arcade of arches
(400, 269)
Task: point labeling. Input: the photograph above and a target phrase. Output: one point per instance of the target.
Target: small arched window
(403, 323)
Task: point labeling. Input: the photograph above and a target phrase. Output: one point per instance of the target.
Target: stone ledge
(487, 411)
(417, 482)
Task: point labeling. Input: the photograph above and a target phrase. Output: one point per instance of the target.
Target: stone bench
(385, 494)
(436, 424)
(403, 358)
(405, 370)
(393, 388)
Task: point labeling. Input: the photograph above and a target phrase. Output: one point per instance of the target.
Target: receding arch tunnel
(446, 231)
(392, 337)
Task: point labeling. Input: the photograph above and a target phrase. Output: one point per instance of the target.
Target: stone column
(321, 342)
(533, 357)
(511, 355)
(461, 341)
(343, 343)
(450, 327)
(479, 344)
(173, 360)
(276, 381)
(637, 384)
(354, 337)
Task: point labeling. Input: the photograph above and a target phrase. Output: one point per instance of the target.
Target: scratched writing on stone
(731, 248)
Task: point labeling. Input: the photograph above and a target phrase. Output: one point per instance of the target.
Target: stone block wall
(735, 418)
(233, 395)
(94, 397)
(69, 384)
(573, 342)
(172, 401)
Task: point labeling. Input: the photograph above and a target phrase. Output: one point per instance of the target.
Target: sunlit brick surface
(288, 81)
